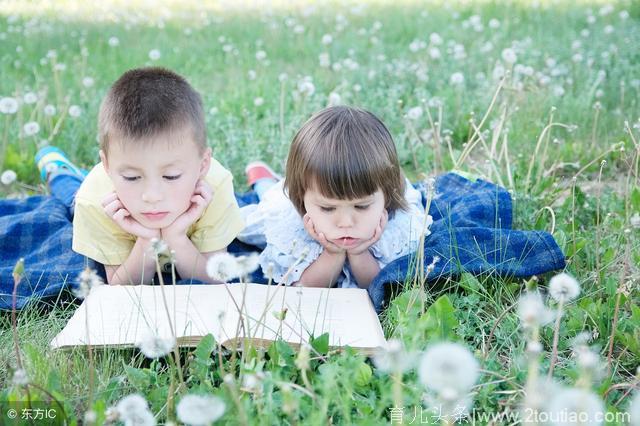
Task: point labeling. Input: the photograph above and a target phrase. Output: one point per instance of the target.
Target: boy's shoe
(50, 158)
(257, 170)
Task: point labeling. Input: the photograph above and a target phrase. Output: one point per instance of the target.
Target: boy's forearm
(364, 268)
(140, 266)
(190, 263)
(324, 271)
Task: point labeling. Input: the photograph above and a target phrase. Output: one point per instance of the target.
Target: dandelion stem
(556, 336)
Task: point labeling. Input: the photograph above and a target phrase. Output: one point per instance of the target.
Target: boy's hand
(114, 208)
(364, 246)
(200, 199)
(320, 237)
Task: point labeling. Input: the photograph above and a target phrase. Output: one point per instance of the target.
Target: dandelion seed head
(30, 98)
(532, 310)
(199, 410)
(223, 267)
(393, 358)
(31, 128)
(49, 110)
(634, 410)
(153, 346)
(154, 54)
(8, 177)
(509, 56)
(414, 113)
(87, 280)
(564, 287)
(113, 41)
(8, 105)
(20, 378)
(579, 402)
(334, 99)
(75, 111)
(90, 417)
(134, 410)
(444, 365)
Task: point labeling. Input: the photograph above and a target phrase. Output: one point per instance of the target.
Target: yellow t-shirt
(98, 237)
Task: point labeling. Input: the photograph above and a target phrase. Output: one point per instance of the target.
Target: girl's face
(346, 223)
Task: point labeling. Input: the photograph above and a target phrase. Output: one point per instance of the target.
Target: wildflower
(259, 101)
(334, 99)
(448, 366)
(306, 87)
(324, 60)
(509, 56)
(457, 78)
(251, 75)
(394, 358)
(223, 267)
(575, 403)
(8, 177)
(75, 111)
(8, 106)
(154, 346)
(159, 247)
(113, 41)
(20, 378)
(90, 417)
(87, 280)
(282, 77)
(60, 67)
(154, 54)
(435, 39)
(634, 410)
(31, 128)
(494, 23)
(298, 29)
(261, 55)
(200, 409)
(49, 110)
(434, 53)
(532, 310)
(134, 410)
(564, 287)
(635, 220)
(414, 113)
(87, 82)
(30, 98)
(327, 39)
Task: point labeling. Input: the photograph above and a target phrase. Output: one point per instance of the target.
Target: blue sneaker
(49, 159)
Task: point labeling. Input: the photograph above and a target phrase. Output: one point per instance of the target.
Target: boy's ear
(206, 163)
(103, 158)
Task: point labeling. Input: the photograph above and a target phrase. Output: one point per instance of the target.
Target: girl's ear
(206, 163)
(103, 158)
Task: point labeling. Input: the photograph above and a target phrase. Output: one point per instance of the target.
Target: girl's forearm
(324, 271)
(364, 268)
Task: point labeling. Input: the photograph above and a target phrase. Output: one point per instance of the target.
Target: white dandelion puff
(634, 410)
(87, 281)
(457, 78)
(134, 410)
(532, 310)
(113, 41)
(198, 410)
(261, 55)
(8, 105)
(564, 287)
(20, 378)
(435, 39)
(31, 128)
(30, 98)
(509, 56)
(154, 54)
(327, 39)
(248, 264)
(635, 220)
(334, 99)
(306, 87)
(153, 346)
(259, 101)
(414, 113)
(324, 60)
(75, 111)
(578, 404)
(8, 177)
(223, 267)
(393, 358)
(87, 82)
(448, 365)
(49, 110)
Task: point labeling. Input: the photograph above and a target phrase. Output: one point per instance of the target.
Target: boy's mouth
(155, 215)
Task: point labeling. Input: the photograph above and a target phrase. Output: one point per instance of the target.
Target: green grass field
(538, 96)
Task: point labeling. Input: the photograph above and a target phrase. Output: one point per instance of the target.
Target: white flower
(30, 98)
(635, 220)
(60, 67)
(393, 358)
(282, 77)
(87, 82)
(324, 59)
(327, 39)
(134, 410)
(154, 54)
(154, 346)
(113, 41)
(448, 366)
(509, 56)
(49, 110)
(90, 417)
(199, 409)
(634, 410)
(579, 404)
(624, 15)
(8, 105)
(298, 29)
(457, 78)
(248, 264)
(532, 310)
(251, 74)
(558, 91)
(258, 101)
(434, 52)
(435, 39)
(223, 267)
(414, 113)
(31, 128)
(609, 29)
(87, 280)
(494, 23)
(8, 177)
(75, 111)
(261, 55)
(20, 377)
(159, 247)
(564, 287)
(306, 87)
(334, 99)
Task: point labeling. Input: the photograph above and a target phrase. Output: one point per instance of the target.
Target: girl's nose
(345, 220)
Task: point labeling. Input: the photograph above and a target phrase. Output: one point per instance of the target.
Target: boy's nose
(151, 195)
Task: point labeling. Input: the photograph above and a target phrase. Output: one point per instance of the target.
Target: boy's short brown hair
(345, 153)
(145, 102)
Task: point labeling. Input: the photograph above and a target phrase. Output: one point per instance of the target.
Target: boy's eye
(327, 209)
(130, 178)
(175, 177)
(362, 207)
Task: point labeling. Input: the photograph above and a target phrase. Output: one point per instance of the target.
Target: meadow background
(538, 96)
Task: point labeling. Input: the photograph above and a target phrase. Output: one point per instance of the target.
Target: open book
(121, 316)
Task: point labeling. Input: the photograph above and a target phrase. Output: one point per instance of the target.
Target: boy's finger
(109, 198)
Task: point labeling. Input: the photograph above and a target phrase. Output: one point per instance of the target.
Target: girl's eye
(172, 177)
(362, 207)
(130, 178)
(327, 209)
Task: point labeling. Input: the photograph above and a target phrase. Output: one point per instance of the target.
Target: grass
(583, 82)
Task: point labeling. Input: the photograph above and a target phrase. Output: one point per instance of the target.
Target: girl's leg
(261, 177)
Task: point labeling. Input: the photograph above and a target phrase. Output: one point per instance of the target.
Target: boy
(156, 179)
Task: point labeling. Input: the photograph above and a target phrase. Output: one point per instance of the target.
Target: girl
(344, 209)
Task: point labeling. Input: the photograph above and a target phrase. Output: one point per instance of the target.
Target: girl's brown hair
(345, 153)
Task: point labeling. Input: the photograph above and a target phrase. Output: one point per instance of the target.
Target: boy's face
(155, 181)
(345, 223)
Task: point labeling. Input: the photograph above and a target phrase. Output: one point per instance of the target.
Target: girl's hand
(200, 199)
(364, 246)
(320, 237)
(114, 208)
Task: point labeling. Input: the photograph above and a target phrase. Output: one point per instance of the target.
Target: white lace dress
(276, 226)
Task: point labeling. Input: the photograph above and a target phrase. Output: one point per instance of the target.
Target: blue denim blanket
(471, 232)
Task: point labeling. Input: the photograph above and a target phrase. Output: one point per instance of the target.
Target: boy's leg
(261, 177)
(60, 174)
